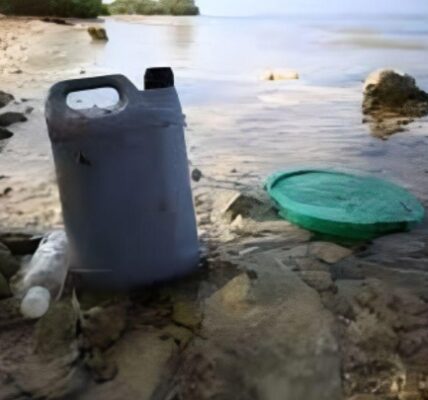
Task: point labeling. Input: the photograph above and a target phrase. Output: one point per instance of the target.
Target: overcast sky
(254, 7)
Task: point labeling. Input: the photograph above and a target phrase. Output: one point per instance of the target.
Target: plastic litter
(124, 183)
(341, 204)
(36, 302)
(44, 276)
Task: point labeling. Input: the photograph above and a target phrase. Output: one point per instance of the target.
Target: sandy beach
(275, 309)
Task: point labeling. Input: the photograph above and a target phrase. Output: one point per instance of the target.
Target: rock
(310, 264)
(58, 378)
(244, 205)
(5, 134)
(9, 266)
(102, 369)
(10, 118)
(187, 313)
(280, 75)
(252, 346)
(347, 269)
(319, 280)
(388, 91)
(142, 361)
(21, 243)
(329, 252)
(98, 33)
(5, 98)
(4, 288)
(102, 326)
(56, 331)
(196, 175)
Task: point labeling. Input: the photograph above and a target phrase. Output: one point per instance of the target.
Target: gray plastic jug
(124, 184)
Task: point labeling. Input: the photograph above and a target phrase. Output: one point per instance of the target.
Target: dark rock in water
(392, 94)
(10, 118)
(5, 134)
(5, 99)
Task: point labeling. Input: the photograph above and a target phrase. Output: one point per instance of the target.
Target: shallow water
(237, 121)
(241, 128)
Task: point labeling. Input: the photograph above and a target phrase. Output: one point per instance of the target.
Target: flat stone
(311, 264)
(319, 280)
(187, 313)
(252, 342)
(142, 363)
(331, 253)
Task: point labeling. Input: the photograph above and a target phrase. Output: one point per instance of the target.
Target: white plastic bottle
(44, 276)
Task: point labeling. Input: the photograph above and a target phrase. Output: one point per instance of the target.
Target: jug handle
(57, 98)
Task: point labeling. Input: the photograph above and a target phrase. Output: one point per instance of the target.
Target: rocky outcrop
(389, 91)
(391, 100)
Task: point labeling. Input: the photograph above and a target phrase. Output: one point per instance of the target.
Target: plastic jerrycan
(124, 184)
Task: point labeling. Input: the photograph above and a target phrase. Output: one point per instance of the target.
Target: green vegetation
(57, 8)
(153, 7)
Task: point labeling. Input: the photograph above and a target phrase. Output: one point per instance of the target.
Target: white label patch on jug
(102, 98)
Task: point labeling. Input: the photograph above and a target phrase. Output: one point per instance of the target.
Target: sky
(258, 7)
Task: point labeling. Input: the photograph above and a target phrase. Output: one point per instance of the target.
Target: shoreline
(282, 308)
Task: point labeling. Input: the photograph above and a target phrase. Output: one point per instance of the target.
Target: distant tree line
(58, 8)
(154, 7)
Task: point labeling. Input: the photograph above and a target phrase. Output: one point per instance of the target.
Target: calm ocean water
(332, 51)
(237, 121)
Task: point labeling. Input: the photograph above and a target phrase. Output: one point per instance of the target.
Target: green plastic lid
(342, 204)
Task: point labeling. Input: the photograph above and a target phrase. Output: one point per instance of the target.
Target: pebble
(196, 175)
